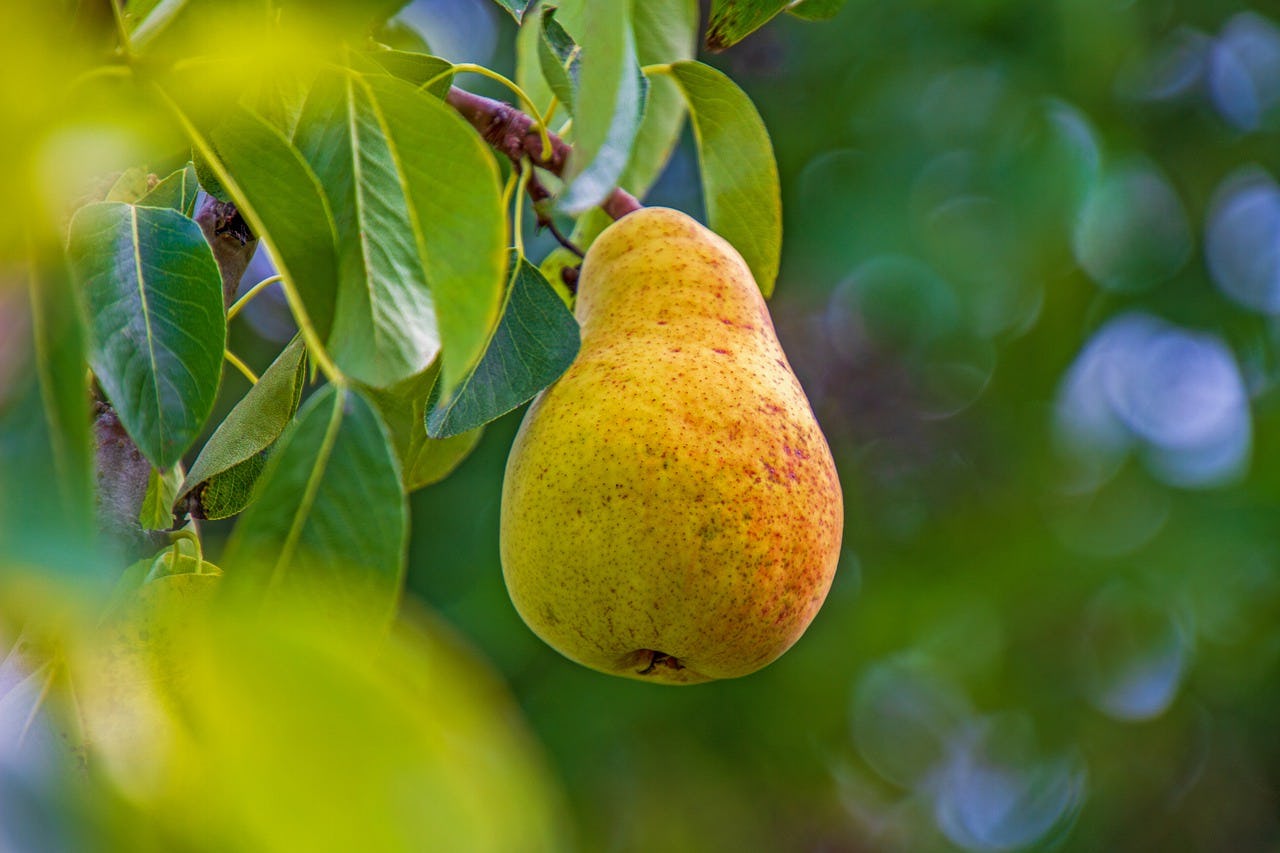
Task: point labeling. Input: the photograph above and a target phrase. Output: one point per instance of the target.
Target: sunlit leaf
(733, 20)
(132, 185)
(535, 342)
(739, 174)
(459, 227)
(416, 68)
(385, 323)
(177, 191)
(224, 472)
(280, 197)
(157, 331)
(329, 515)
(609, 107)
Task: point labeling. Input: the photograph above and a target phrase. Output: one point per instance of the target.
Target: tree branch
(514, 134)
(232, 241)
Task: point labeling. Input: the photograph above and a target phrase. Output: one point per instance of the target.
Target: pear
(670, 509)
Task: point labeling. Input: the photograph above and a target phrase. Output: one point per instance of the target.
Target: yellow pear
(670, 510)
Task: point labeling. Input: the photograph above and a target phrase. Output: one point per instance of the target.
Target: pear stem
(518, 135)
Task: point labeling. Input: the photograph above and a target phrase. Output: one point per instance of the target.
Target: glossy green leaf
(280, 197)
(385, 323)
(157, 503)
(560, 58)
(416, 68)
(816, 10)
(403, 408)
(733, 20)
(252, 426)
(609, 107)
(329, 515)
(517, 8)
(153, 295)
(536, 341)
(739, 174)
(177, 191)
(459, 227)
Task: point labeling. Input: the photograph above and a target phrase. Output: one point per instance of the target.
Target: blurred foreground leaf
(328, 515)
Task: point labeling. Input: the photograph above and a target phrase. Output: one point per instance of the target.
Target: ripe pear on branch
(670, 511)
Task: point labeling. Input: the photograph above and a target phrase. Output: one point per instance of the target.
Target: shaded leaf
(280, 197)
(535, 342)
(399, 34)
(177, 191)
(609, 107)
(517, 8)
(157, 331)
(560, 58)
(416, 68)
(157, 503)
(403, 408)
(733, 20)
(329, 515)
(249, 428)
(816, 10)
(739, 174)
(228, 492)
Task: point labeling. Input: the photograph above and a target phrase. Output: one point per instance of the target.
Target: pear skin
(670, 510)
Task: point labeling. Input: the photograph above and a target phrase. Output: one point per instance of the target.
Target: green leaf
(609, 107)
(60, 358)
(385, 322)
(280, 197)
(536, 341)
(132, 185)
(231, 458)
(733, 20)
(666, 31)
(403, 408)
(560, 58)
(458, 236)
(739, 174)
(329, 516)
(399, 34)
(816, 10)
(157, 330)
(177, 191)
(517, 8)
(157, 503)
(416, 68)
(228, 492)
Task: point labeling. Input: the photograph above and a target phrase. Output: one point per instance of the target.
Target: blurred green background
(1031, 269)
(1031, 281)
